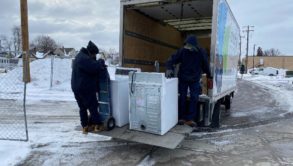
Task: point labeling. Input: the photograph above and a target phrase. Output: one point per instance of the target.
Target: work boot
(91, 128)
(85, 130)
(181, 122)
(99, 128)
(190, 123)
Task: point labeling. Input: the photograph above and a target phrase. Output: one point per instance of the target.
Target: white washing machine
(120, 95)
(153, 102)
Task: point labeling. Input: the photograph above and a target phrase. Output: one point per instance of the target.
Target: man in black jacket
(84, 85)
(193, 61)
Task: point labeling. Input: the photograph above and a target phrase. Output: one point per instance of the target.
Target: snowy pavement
(54, 140)
(53, 121)
(253, 105)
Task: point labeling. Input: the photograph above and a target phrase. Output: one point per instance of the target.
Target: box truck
(152, 30)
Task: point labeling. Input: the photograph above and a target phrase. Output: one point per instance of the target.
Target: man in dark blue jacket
(84, 85)
(192, 60)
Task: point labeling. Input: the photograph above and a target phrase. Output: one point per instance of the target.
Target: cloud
(70, 22)
(272, 20)
(74, 22)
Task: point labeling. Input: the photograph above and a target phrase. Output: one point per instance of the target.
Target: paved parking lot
(254, 133)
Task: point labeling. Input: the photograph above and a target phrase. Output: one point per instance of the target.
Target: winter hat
(192, 40)
(92, 48)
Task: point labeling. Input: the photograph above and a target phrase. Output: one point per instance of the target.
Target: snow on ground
(9, 154)
(40, 86)
(280, 87)
(54, 135)
(39, 91)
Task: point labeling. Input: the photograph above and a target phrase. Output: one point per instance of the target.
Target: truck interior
(155, 30)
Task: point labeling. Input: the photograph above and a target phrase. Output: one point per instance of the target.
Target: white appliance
(153, 102)
(120, 95)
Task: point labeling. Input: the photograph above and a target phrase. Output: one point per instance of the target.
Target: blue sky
(74, 22)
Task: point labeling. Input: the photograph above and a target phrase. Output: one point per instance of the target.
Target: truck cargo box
(152, 30)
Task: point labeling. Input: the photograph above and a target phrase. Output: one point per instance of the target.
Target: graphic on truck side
(227, 47)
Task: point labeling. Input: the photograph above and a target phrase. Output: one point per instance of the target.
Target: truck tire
(227, 102)
(216, 117)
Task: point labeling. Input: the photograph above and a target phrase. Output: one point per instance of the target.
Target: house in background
(40, 55)
(7, 54)
(3, 54)
(65, 52)
(32, 54)
(7, 60)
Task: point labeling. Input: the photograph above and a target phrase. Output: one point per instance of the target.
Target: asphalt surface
(252, 105)
(253, 132)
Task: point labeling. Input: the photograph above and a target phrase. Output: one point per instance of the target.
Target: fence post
(52, 71)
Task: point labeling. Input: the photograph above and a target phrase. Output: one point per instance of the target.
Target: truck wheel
(227, 102)
(216, 115)
(111, 124)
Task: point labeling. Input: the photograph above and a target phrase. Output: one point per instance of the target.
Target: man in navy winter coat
(193, 61)
(84, 85)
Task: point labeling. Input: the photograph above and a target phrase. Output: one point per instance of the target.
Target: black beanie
(92, 48)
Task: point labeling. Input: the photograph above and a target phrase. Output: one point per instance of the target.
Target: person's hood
(192, 40)
(85, 51)
(92, 48)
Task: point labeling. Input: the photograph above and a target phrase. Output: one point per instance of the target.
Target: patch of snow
(52, 136)
(13, 152)
(147, 161)
(40, 86)
(280, 87)
(52, 132)
(221, 143)
(249, 112)
(201, 134)
(39, 55)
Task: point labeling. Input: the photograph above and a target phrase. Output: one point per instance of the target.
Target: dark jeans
(194, 88)
(87, 101)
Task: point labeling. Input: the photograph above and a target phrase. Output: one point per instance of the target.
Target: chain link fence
(13, 123)
(60, 72)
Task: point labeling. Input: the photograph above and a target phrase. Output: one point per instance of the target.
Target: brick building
(285, 62)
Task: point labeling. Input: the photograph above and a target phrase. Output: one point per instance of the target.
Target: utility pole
(25, 41)
(247, 30)
(239, 61)
(253, 56)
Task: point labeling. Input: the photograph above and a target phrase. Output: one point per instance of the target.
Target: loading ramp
(170, 140)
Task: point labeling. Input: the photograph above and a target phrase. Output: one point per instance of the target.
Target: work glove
(169, 73)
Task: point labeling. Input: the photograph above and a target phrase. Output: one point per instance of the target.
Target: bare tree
(272, 52)
(45, 43)
(114, 55)
(259, 52)
(6, 44)
(16, 39)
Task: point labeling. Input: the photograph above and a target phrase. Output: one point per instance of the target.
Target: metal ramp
(170, 140)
